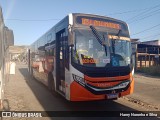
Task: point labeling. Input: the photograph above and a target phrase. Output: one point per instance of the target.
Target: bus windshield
(88, 51)
(120, 52)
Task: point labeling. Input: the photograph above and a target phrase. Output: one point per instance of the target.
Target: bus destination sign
(98, 22)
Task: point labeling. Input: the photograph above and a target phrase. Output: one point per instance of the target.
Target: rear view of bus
(101, 65)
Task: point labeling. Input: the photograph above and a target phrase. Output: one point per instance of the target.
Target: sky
(30, 19)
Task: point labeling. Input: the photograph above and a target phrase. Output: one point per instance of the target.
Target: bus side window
(67, 57)
(66, 53)
(54, 52)
(46, 52)
(50, 52)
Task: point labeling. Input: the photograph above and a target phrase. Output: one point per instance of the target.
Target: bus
(84, 57)
(6, 39)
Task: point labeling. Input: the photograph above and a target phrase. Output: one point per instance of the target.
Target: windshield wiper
(96, 34)
(119, 33)
(99, 38)
(113, 46)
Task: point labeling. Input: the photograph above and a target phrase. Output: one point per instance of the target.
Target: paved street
(24, 93)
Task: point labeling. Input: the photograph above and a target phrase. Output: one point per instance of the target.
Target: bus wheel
(51, 85)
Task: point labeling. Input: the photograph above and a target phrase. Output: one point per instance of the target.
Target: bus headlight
(78, 79)
(122, 85)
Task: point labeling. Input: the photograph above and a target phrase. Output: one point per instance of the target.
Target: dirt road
(147, 89)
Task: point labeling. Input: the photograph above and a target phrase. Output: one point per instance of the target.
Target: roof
(151, 41)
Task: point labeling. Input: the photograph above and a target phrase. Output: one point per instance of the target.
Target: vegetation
(153, 70)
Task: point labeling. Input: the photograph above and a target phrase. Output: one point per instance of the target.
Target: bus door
(60, 61)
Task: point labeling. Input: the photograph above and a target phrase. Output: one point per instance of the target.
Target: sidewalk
(146, 91)
(20, 97)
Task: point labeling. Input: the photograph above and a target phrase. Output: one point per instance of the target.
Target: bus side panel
(42, 59)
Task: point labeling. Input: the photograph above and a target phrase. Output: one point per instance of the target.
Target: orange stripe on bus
(79, 93)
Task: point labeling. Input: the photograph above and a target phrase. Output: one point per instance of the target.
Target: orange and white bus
(85, 57)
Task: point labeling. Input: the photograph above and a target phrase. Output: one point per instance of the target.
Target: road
(147, 89)
(24, 93)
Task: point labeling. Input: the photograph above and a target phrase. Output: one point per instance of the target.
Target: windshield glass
(89, 52)
(120, 52)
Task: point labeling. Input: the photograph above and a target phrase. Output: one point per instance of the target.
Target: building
(9, 36)
(152, 42)
(6, 39)
(145, 54)
(134, 43)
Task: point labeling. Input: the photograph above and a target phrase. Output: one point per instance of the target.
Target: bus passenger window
(50, 52)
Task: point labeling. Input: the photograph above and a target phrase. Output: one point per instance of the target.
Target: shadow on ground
(56, 102)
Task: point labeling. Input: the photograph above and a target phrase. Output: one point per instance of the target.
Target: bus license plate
(111, 96)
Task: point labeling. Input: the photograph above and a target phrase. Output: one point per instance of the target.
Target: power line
(105, 15)
(32, 19)
(151, 36)
(140, 14)
(127, 11)
(146, 30)
(143, 17)
(148, 8)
